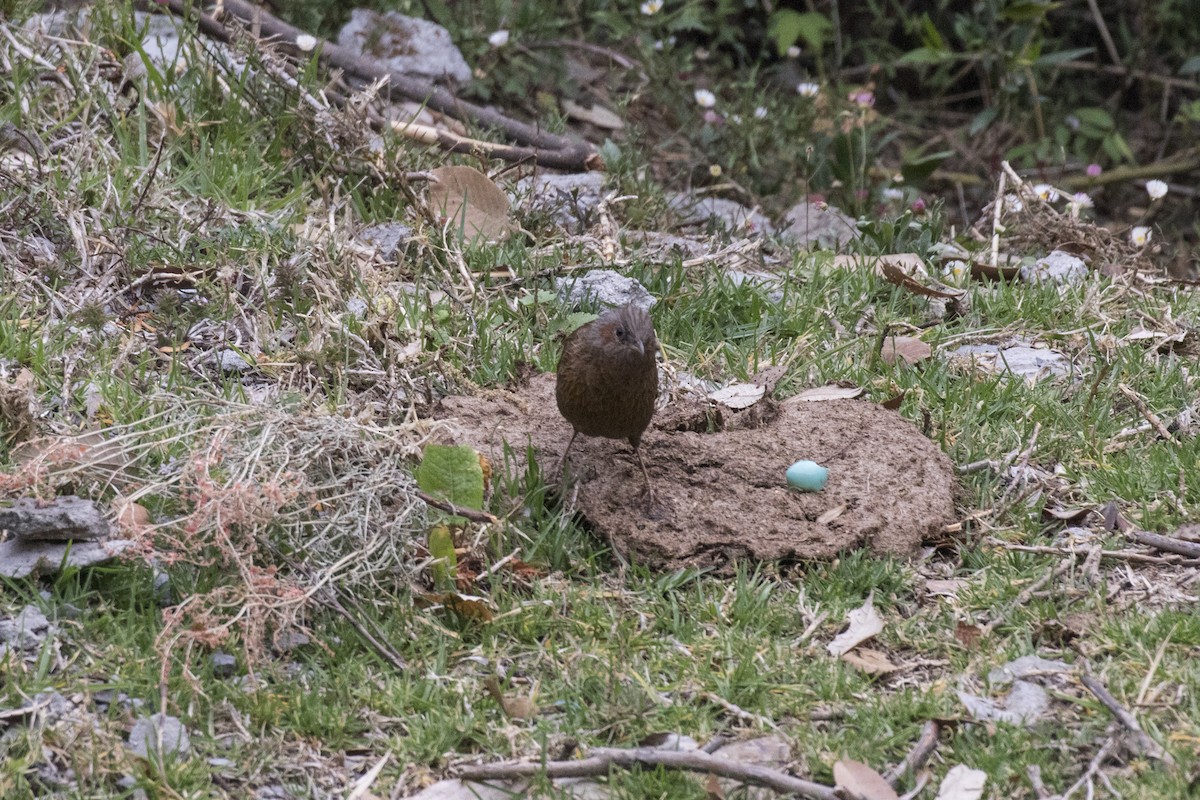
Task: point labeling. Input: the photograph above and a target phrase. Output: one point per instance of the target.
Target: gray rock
(767, 281)
(1017, 359)
(20, 559)
(818, 225)
(388, 238)
(223, 664)
(160, 735)
(230, 362)
(405, 44)
(603, 286)
(568, 200)
(720, 213)
(26, 630)
(1058, 267)
(59, 520)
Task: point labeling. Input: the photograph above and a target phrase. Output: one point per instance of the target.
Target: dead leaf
(130, 515)
(908, 349)
(856, 781)
(832, 514)
(768, 376)
(946, 588)
(894, 403)
(465, 605)
(514, 706)
(470, 200)
(962, 783)
(18, 405)
(597, 115)
(830, 392)
(871, 662)
(968, 635)
(894, 270)
(738, 396)
(865, 623)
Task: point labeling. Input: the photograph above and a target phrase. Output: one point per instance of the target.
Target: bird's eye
(620, 332)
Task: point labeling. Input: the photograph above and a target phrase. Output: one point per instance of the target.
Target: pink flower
(862, 98)
(918, 206)
(1094, 170)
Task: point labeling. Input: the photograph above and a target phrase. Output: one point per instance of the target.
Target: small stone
(818, 226)
(605, 287)
(405, 44)
(1058, 268)
(148, 732)
(223, 664)
(26, 630)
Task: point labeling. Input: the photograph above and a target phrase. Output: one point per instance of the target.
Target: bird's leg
(637, 451)
(562, 462)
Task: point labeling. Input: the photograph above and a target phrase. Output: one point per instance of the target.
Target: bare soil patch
(719, 476)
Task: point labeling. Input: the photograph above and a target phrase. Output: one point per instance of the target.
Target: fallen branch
(532, 143)
(603, 759)
(1168, 544)
(916, 758)
(450, 508)
(1141, 739)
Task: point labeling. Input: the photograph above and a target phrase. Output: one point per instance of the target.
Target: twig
(602, 759)
(1105, 36)
(997, 208)
(1142, 739)
(1168, 544)
(921, 751)
(1035, 780)
(1150, 416)
(1027, 594)
(738, 711)
(363, 785)
(1119, 555)
(1092, 768)
(450, 508)
(547, 149)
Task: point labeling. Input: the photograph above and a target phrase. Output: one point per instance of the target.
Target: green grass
(613, 652)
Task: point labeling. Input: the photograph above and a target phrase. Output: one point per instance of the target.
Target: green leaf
(1095, 117)
(1024, 11)
(931, 36)
(918, 168)
(1062, 56)
(925, 55)
(983, 119)
(445, 564)
(454, 474)
(786, 27)
(1116, 147)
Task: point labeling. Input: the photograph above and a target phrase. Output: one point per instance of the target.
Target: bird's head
(628, 329)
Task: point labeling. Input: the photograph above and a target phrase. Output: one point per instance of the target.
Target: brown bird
(608, 379)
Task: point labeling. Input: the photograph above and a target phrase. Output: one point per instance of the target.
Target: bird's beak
(641, 347)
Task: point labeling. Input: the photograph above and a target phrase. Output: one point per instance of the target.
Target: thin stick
(921, 751)
(1142, 739)
(450, 508)
(602, 759)
(1150, 416)
(1167, 544)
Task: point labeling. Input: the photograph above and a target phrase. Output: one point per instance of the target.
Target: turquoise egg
(807, 476)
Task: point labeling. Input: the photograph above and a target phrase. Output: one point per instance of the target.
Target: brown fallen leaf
(893, 269)
(908, 349)
(515, 707)
(831, 392)
(471, 200)
(870, 662)
(856, 781)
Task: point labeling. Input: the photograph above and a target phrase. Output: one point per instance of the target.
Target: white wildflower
(705, 98)
(1046, 192)
(1140, 235)
(1156, 189)
(808, 89)
(498, 38)
(652, 7)
(760, 112)
(306, 42)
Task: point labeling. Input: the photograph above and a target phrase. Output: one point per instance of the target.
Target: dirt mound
(719, 476)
